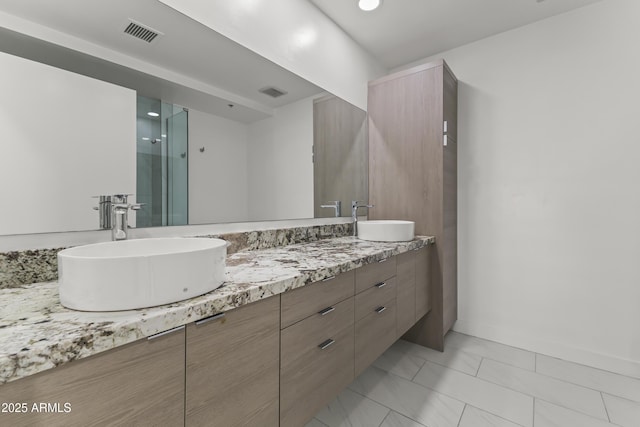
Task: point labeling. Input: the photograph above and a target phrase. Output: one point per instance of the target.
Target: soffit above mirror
(207, 63)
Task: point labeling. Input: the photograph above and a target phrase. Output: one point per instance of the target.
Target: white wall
(280, 167)
(295, 35)
(218, 177)
(77, 136)
(549, 186)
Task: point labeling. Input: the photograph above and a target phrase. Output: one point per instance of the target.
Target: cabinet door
(141, 383)
(406, 304)
(232, 367)
(423, 281)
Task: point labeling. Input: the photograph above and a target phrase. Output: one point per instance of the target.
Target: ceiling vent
(273, 91)
(141, 31)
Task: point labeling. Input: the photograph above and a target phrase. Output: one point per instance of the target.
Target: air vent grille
(273, 92)
(141, 32)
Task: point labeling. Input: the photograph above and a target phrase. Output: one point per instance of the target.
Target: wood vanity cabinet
(407, 301)
(316, 347)
(141, 383)
(412, 175)
(423, 281)
(232, 367)
(375, 326)
(414, 287)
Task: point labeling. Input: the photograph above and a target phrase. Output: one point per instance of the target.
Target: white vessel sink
(386, 230)
(139, 273)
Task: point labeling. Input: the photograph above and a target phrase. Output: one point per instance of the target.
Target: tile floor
(480, 383)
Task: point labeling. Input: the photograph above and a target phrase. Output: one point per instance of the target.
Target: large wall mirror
(263, 144)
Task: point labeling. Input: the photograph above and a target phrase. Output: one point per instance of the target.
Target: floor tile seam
(385, 415)
(444, 366)
(499, 344)
(474, 377)
(598, 390)
(404, 415)
(462, 414)
(569, 382)
(548, 401)
(374, 400)
(606, 410)
(582, 365)
(426, 359)
(479, 366)
(580, 413)
(495, 415)
(484, 356)
(482, 409)
(391, 409)
(419, 385)
(533, 422)
(368, 397)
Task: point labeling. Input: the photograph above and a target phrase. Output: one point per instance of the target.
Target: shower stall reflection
(162, 163)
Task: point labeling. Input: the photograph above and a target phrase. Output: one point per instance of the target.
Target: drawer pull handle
(161, 334)
(380, 309)
(381, 285)
(326, 311)
(209, 319)
(326, 279)
(326, 344)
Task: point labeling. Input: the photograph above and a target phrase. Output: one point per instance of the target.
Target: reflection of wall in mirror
(256, 172)
(65, 138)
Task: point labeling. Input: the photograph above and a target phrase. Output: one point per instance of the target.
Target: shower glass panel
(162, 163)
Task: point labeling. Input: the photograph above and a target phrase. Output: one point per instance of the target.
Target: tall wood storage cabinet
(412, 175)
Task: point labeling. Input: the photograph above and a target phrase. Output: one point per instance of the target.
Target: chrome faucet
(337, 205)
(354, 214)
(120, 215)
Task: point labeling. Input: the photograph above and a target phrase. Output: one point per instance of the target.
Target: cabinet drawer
(303, 302)
(232, 367)
(302, 339)
(310, 382)
(369, 300)
(373, 335)
(371, 274)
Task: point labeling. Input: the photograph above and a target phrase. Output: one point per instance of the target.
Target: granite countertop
(37, 333)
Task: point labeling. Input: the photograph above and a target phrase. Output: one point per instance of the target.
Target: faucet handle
(136, 206)
(356, 204)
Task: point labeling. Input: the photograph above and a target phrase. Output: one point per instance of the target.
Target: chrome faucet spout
(120, 216)
(335, 204)
(355, 205)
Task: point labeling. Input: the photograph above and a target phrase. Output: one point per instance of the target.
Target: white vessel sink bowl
(386, 230)
(139, 273)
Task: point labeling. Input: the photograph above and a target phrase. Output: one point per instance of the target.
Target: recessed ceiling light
(368, 5)
(153, 114)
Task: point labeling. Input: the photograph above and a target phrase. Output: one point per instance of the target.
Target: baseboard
(507, 336)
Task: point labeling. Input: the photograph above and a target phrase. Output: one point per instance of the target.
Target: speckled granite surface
(37, 333)
(19, 268)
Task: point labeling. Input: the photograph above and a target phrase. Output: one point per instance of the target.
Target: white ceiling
(399, 32)
(403, 31)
